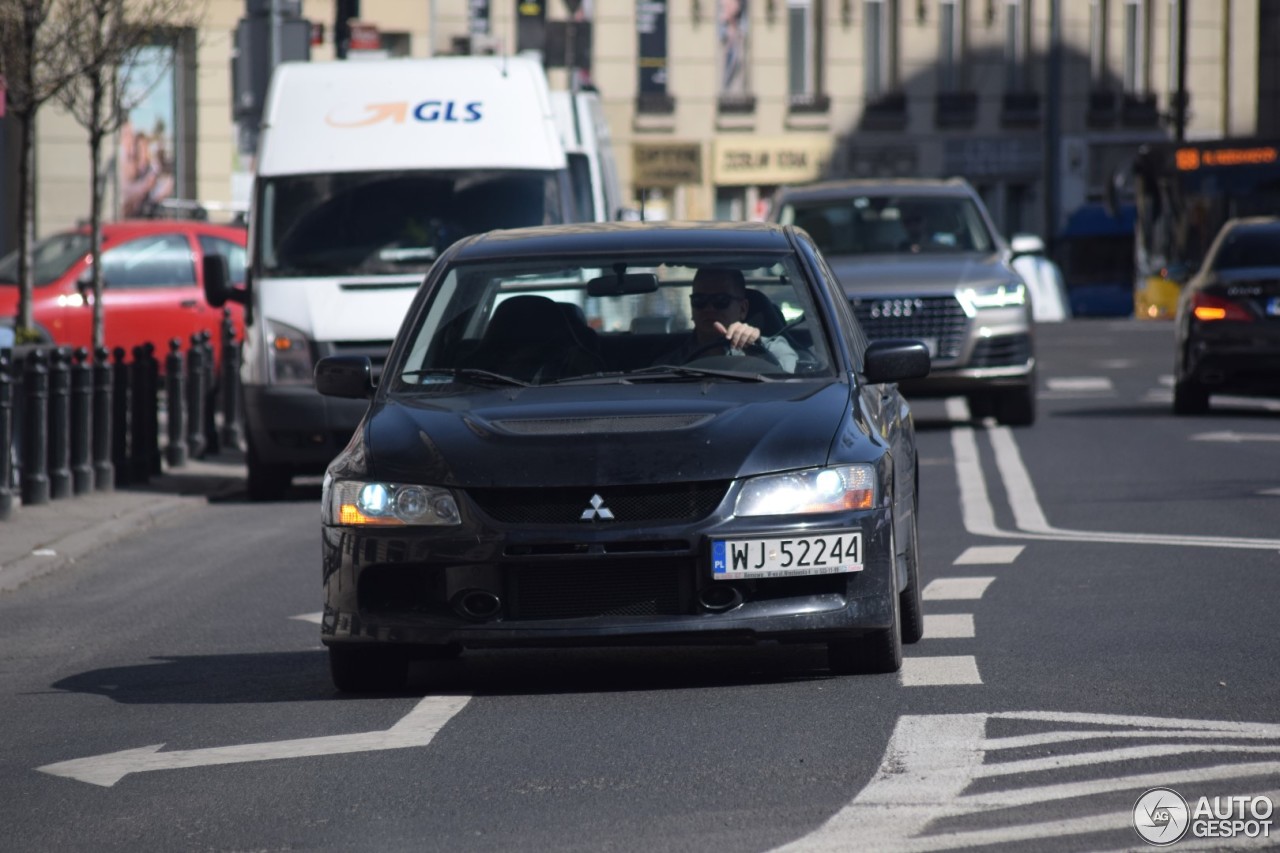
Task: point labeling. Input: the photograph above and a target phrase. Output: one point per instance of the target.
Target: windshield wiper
(474, 375)
(683, 371)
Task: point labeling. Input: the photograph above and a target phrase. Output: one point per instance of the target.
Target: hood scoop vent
(602, 425)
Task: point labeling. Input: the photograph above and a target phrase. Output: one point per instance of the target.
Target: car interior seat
(763, 314)
(530, 338)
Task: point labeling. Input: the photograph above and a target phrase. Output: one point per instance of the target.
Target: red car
(153, 288)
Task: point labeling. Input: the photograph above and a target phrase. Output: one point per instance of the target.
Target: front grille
(627, 504)
(1001, 351)
(938, 317)
(576, 592)
(375, 350)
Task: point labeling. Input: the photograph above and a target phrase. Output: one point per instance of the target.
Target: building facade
(713, 104)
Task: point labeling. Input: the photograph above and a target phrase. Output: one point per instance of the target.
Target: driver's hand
(739, 335)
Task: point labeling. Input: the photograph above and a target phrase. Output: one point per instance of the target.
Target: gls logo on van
(427, 111)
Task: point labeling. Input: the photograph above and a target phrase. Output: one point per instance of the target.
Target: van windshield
(369, 223)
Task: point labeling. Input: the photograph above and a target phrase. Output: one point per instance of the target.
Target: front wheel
(368, 670)
(1016, 406)
(877, 652)
(1189, 398)
(910, 602)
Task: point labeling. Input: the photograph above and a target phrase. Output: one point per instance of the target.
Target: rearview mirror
(217, 282)
(622, 285)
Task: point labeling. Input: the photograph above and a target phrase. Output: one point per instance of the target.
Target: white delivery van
(366, 171)
(588, 144)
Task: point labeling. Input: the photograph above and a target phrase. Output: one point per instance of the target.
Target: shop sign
(666, 164)
(760, 161)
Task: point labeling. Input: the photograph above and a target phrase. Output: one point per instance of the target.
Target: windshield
(869, 224)
(391, 222)
(52, 256)
(614, 320)
(1242, 248)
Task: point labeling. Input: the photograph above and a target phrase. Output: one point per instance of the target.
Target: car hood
(921, 274)
(620, 435)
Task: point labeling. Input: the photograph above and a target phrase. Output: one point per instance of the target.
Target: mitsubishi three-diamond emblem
(597, 510)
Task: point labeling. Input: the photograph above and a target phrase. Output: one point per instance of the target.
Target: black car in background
(1228, 320)
(550, 458)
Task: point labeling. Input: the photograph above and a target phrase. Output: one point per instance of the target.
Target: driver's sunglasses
(718, 301)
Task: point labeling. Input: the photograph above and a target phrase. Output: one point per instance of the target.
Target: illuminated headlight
(289, 354)
(1008, 295)
(356, 503)
(809, 492)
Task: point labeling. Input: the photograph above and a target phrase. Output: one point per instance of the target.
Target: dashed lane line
(983, 555)
(956, 589)
(948, 626)
(940, 671)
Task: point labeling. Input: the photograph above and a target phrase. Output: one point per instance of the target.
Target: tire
(368, 670)
(877, 652)
(266, 481)
(1190, 398)
(910, 603)
(1016, 406)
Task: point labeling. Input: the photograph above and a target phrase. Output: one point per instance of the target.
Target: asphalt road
(1101, 597)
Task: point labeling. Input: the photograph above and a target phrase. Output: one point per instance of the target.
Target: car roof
(1253, 223)
(623, 237)
(957, 187)
(125, 229)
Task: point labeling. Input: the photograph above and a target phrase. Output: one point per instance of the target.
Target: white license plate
(743, 559)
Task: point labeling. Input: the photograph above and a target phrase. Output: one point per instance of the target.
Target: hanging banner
(651, 23)
(146, 158)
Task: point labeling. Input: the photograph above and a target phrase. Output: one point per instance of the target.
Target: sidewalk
(36, 540)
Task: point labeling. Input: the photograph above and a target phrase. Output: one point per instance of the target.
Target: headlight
(807, 492)
(1007, 295)
(288, 354)
(357, 503)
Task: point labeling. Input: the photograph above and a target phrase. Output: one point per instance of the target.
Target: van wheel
(1189, 398)
(267, 481)
(1016, 406)
(368, 670)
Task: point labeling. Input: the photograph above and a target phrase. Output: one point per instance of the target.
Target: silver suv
(922, 259)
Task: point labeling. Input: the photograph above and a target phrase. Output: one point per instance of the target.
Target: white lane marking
(1165, 379)
(1079, 383)
(956, 589)
(948, 626)
(978, 513)
(931, 762)
(1271, 493)
(309, 617)
(982, 555)
(417, 728)
(1116, 363)
(1236, 437)
(940, 671)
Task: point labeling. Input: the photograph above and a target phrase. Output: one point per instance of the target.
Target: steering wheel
(755, 350)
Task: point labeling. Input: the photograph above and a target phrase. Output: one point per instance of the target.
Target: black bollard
(195, 398)
(6, 436)
(139, 459)
(104, 472)
(175, 405)
(81, 422)
(59, 423)
(155, 458)
(121, 406)
(35, 439)
(229, 387)
(212, 444)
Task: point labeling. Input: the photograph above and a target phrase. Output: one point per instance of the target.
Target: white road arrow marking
(416, 728)
(1236, 437)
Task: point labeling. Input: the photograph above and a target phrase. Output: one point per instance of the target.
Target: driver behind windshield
(719, 306)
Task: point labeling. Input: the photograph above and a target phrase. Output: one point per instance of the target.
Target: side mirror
(217, 283)
(1026, 244)
(895, 359)
(349, 376)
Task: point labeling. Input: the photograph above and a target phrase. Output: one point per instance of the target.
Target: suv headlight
(289, 354)
(844, 487)
(362, 503)
(1007, 295)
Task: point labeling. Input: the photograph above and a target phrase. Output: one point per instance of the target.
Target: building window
(1098, 42)
(1017, 40)
(805, 52)
(880, 47)
(1135, 47)
(951, 38)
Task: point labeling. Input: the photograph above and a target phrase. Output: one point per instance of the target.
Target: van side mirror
(217, 283)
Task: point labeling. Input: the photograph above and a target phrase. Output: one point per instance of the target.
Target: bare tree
(102, 37)
(35, 71)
